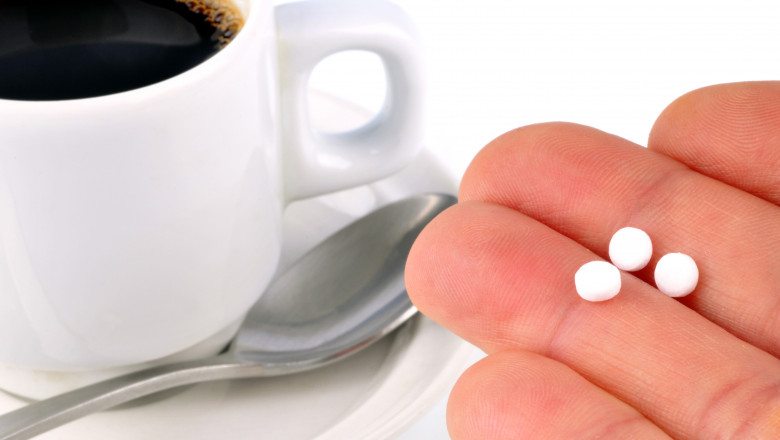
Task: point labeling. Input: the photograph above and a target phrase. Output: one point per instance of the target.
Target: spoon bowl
(341, 296)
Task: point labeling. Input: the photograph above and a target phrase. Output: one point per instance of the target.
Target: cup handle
(307, 32)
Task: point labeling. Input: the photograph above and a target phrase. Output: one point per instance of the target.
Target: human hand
(538, 202)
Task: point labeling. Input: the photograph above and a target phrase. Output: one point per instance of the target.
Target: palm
(540, 201)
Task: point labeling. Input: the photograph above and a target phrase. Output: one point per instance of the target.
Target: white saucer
(375, 394)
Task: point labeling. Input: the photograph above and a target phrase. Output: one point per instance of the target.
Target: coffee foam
(224, 15)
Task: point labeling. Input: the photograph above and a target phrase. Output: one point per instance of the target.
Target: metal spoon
(340, 297)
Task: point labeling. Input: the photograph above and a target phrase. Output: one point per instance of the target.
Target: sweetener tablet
(597, 281)
(676, 275)
(630, 249)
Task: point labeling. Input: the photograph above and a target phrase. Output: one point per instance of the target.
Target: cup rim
(206, 68)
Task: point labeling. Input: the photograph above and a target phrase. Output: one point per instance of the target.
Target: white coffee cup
(137, 228)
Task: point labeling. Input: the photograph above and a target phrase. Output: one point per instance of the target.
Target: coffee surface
(68, 49)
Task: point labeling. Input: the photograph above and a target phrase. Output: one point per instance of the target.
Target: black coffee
(66, 49)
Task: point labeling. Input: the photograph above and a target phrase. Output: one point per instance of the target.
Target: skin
(540, 201)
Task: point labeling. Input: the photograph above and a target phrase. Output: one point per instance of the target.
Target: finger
(730, 132)
(505, 281)
(520, 395)
(588, 184)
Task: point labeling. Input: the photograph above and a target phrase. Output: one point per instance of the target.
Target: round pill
(676, 275)
(630, 249)
(597, 281)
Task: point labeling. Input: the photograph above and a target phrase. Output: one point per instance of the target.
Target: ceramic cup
(137, 228)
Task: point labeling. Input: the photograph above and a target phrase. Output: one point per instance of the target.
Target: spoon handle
(39, 417)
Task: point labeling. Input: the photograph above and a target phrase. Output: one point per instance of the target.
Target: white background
(494, 65)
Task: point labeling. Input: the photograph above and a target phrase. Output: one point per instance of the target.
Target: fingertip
(486, 401)
(687, 118)
(420, 259)
(425, 276)
(458, 269)
(522, 395)
(514, 149)
(727, 132)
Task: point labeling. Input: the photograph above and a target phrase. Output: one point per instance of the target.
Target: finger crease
(764, 420)
(719, 412)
